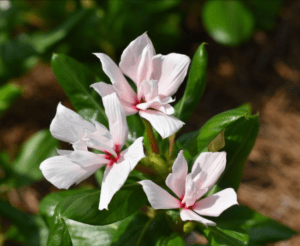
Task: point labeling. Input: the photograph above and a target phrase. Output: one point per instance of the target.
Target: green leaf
(76, 79)
(172, 240)
(122, 233)
(229, 22)
(26, 166)
(8, 94)
(83, 207)
(265, 13)
(218, 236)
(240, 138)
(211, 129)
(195, 85)
(261, 229)
(48, 204)
(156, 229)
(31, 228)
(217, 143)
(42, 42)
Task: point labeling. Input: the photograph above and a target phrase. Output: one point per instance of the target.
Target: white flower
(157, 78)
(189, 188)
(74, 166)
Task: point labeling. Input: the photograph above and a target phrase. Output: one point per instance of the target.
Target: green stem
(151, 138)
(171, 144)
(145, 170)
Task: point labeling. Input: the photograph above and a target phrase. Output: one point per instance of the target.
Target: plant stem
(151, 138)
(171, 148)
(145, 170)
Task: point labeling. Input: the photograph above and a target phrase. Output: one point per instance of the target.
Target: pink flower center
(138, 102)
(112, 159)
(183, 205)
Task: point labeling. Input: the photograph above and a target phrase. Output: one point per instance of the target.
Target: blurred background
(253, 48)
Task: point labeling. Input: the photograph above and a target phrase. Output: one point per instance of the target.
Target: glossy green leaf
(121, 233)
(217, 143)
(8, 94)
(195, 144)
(26, 166)
(240, 138)
(261, 229)
(59, 234)
(195, 85)
(83, 207)
(218, 236)
(76, 79)
(229, 22)
(172, 240)
(156, 230)
(48, 204)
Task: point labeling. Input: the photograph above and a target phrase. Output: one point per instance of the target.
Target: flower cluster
(157, 78)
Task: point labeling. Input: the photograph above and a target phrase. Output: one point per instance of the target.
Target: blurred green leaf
(16, 55)
(261, 229)
(83, 207)
(172, 240)
(8, 94)
(43, 42)
(26, 165)
(240, 138)
(218, 236)
(195, 85)
(264, 12)
(31, 228)
(229, 22)
(211, 129)
(76, 79)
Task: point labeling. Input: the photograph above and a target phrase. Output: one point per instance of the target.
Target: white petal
(134, 153)
(213, 164)
(131, 56)
(116, 118)
(158, 197)
(103, 89)
(164, 108)
(95, 144)
(80, 144)
(62, 172)
(187, 214)
(165, 125)
(86, 158)
(215, 204)
(114, 177)
(129, 109)
(173, 71)
(176, 180)
(64, 152)
(145, 66)
(69, 126)
(118, 80)
(148, 90)
(191, 191)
